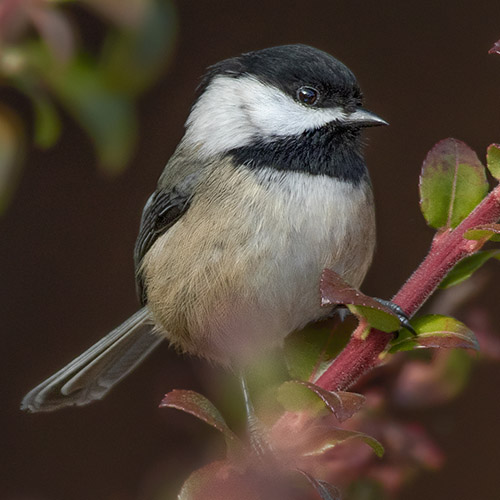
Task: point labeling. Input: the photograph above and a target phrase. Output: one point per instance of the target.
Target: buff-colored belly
(241, 269)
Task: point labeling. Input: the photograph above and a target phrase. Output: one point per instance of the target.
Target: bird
(267, 187)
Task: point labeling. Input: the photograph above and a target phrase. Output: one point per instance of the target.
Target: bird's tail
(92, 374)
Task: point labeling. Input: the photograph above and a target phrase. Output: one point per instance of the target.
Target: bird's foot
(256, 433)
(402, 316)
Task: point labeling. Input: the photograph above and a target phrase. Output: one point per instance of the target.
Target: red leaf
(495, 49)
(199, 406)
(335, 291)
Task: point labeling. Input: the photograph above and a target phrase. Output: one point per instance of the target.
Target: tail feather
(91, 375)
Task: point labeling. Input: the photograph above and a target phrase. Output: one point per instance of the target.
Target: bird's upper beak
(364, 118)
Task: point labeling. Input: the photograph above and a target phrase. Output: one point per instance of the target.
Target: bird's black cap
(288, 67)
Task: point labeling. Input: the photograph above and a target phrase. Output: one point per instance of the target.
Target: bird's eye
(308, 96)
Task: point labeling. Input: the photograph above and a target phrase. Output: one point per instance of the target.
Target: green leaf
(295, 398)
(488, 231)
(466, 267)
(335, 291)
(297, 395)
(47, 123)
(437, 331)
(493, 160)
(199, 406)
(322, 438)
(452, 182)
(378, 318)
(309, 351)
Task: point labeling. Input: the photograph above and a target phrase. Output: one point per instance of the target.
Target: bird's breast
(242, 267)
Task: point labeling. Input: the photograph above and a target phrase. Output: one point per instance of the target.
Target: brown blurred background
(67, 239)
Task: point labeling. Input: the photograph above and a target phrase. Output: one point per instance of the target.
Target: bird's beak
(363, 118)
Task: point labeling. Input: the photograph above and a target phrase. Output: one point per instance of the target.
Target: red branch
(448, 248)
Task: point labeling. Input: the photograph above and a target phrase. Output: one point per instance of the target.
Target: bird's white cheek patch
(234, 112)
(275, 113)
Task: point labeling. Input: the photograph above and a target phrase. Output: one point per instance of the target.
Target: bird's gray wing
(162, 210)
(92, 374)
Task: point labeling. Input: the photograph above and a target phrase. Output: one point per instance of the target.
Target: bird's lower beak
(363, 118)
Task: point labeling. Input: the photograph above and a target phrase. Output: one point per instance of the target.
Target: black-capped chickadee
(267, 188)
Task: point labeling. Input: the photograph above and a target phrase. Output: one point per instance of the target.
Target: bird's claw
(403, 318)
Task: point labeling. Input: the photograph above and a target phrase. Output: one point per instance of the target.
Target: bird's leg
(255, 430)
(403, 318)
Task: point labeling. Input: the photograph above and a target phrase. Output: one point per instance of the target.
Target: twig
(448, 248)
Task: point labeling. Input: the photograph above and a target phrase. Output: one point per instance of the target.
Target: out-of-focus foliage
(286, 450)
(43, 56)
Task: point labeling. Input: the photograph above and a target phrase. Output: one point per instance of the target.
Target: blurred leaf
(322, 438)
(489, 231)
(466, 267)
(455, 372)
(251, 478)
(342, 404)
(199, 406)
(98, 92)
(325, 490)
(295, 398)
(433, 382)
(335, 291)
(200, 482)
(47, 123)
(126, 13)
(13, 20)
(309, 351)
(493, 160)
(11, 153)
(495, 49)
(435, 330)
(132, 59)
(107, 116)
(365, 489)
(452, 182)
(54, 28)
